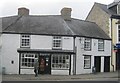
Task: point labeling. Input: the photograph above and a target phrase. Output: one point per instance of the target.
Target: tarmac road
(106, 76)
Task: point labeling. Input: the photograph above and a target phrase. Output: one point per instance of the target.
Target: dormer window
(25, 40)
(57, 42)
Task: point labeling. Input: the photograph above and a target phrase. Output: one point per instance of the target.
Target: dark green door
(107, 64)
(97, 63)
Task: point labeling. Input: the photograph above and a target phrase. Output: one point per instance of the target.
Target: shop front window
(60, 61)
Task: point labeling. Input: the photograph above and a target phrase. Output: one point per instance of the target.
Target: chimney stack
(66, 13)
(23, 11)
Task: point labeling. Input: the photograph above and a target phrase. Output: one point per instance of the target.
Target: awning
(118, 45)
(45, 51)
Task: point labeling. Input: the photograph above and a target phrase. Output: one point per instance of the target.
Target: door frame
(47, 69)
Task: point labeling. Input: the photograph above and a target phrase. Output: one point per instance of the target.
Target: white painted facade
(45, 42)
(94, 52)
(11, 42)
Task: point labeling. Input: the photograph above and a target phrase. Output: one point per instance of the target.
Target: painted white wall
(71, 64)
(94, 52)
(102, 64)
(41, 42)
(67, 43)
(10, 44)
(60, 72)
(27, 71)
(46, 42)
(80, 58)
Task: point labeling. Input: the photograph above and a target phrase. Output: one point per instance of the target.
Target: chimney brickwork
(23, 11)
(66, 13)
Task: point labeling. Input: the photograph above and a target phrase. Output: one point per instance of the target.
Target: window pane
(87, 60)
(25, 41)
(100, 44)
(27, 60)
(60, 61)
(87, 44)
(57, 42)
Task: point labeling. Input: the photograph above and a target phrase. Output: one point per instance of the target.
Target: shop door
(44, 65)
(97, 63)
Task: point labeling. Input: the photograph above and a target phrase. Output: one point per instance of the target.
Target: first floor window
(60, 61)
(87, 61)
(57, 42)
(87, 44)
(100, 45)
(28, 59)
(25, 40)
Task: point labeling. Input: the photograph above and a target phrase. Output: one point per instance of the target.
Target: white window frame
(57, 63)
(25, 41)
(87, 61)
(100, 45)
(87, 44)
(55, 42)
(28, 60)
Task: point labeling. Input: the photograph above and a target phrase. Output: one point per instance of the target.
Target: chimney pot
(23, 11)
(66, 13)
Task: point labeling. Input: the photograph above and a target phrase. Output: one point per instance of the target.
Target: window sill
(57, 48)
(60, 69)
(87, 68)
(27, 68)
(100, 50)
(24, 46)
(87, 49)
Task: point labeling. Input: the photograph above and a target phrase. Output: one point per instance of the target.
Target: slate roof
(51, 25)
(105, 8)
(113, 4)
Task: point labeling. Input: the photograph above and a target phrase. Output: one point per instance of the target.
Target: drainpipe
(112, 47)
(74, 56)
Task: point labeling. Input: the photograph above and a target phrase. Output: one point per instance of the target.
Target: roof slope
(86, 28)
(51, 25)
(36, 24)
(105, 8)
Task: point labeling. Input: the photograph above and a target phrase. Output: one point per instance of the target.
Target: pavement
(106, 76)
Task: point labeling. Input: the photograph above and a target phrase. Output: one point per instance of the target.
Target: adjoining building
(107, 17)
(65, 45)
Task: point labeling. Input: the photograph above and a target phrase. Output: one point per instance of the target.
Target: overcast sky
(80, 8)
